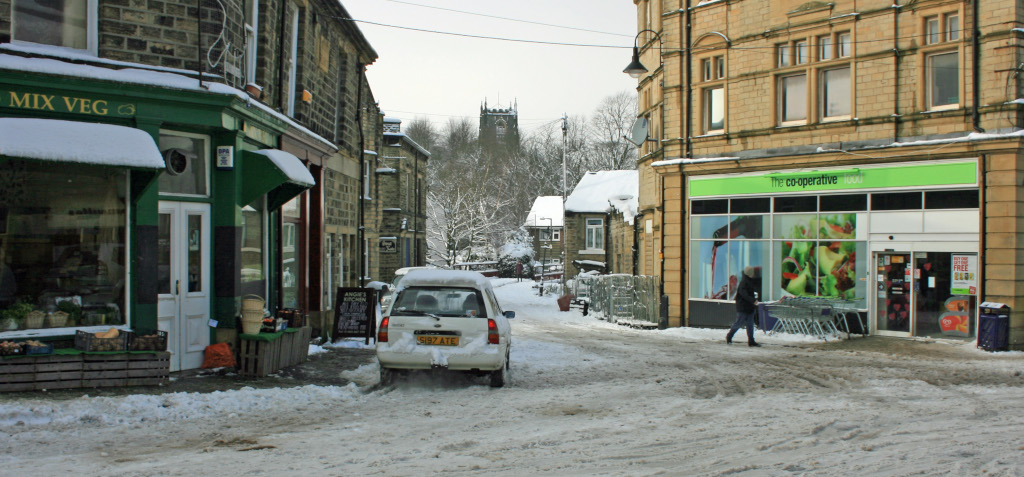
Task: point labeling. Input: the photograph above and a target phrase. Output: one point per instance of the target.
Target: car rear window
(439, 301)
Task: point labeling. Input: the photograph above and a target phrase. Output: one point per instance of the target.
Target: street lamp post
(543, 253)
(565, 252)
(635, 69)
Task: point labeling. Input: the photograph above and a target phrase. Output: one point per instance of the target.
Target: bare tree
(607, 129)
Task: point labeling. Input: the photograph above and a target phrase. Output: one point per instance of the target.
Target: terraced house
(162, 159)
(868, 150)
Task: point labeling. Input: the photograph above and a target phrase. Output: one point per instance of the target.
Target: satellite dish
(639, 134)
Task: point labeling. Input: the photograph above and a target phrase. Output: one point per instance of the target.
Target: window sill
(942, 109)
(591, 252)
(790, 124)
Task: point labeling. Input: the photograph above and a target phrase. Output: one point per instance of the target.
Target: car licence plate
(438, 340)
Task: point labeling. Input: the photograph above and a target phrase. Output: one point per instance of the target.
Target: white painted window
(844, 45)
(835, 93)
(252, 10)
(825, 52)
(943, 85)
(782, 55)
(793, 99)
(64, 23)
(595, 234)
(801, 52)
(292, 64)
(366, 180)
(714, 110)
(952, 27)
(932, 34)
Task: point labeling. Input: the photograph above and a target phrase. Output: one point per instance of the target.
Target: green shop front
(137, 207)
(899, 240)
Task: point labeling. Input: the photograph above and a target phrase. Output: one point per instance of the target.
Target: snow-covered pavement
(588, 398)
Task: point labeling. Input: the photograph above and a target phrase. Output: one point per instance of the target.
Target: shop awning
(78, 142)
(277, 174)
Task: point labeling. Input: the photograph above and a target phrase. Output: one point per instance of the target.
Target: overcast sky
(436, 76)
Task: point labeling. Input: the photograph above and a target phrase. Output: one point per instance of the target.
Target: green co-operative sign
(901, 176)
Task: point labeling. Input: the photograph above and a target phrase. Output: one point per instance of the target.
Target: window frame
(91, 29)
(823, 96)
(593, 230)
(930, 79)
(251, 25)
(708, 109)
(781, 99)
(291, 87)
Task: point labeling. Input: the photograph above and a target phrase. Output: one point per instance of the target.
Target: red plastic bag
(219, 355)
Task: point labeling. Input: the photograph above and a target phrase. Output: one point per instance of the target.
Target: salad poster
(814, 266)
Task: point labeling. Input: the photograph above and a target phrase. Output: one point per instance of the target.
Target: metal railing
(620, 298)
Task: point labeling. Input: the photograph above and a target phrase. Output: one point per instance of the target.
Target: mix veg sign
(903, 175)
(65, 104)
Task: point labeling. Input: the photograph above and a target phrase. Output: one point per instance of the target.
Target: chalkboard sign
(354, 310)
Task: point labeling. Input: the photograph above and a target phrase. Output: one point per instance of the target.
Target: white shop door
(183, 281)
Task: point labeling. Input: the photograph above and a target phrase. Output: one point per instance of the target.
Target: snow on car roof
(455, 278)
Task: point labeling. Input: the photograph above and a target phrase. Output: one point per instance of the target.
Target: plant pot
(254, 90)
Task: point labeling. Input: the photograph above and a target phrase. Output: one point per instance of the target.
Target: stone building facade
(599, 218)
(263, 104)
(882, 133)
(401, 177)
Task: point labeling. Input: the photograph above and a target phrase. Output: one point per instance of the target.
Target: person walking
(519, 270)
(746, 304)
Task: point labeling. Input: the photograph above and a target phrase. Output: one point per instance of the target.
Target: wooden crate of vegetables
(110, 340)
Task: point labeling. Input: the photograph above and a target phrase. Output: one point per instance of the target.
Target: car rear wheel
(387, 376)
(500, 377)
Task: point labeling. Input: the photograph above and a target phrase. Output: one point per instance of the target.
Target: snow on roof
(142, 75)
(605, 191)
(386, 170)
(408, 140)
(390, 120)
(454, 278)
(290, 165)
(76, 141)
(545, 207)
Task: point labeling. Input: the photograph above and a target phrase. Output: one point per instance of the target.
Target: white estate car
(445, 319)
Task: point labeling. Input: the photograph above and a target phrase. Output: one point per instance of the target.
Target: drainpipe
(983, 230)
(636, 241)
(364, 256)
(689, 89)
(416, 210)
(280, 57)
(975, 68)
(199, 39)
(896, 74)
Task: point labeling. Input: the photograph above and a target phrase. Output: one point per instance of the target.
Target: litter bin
(994, 326)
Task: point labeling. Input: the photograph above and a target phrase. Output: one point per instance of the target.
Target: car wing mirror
(510, 314)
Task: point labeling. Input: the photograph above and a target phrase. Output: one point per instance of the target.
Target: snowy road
(588, 398)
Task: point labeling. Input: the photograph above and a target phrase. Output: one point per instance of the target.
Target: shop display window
(62, 245)
(730, 244)
(253, 249)
(290, 267)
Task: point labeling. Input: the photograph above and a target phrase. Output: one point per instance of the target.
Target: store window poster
(964, 271)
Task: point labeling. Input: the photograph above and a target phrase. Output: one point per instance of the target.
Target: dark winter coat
(745, 294)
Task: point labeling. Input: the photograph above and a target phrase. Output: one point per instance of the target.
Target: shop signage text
(802, 182)
(65, 104)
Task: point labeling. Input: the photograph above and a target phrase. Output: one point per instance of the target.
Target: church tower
(499, 128)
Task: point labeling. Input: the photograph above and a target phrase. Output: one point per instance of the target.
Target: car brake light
(492, 332)
(382, 332)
